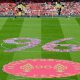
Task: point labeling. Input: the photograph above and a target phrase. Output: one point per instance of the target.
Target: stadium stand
(13, 8)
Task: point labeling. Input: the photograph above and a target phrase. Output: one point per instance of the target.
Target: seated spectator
(39, 9)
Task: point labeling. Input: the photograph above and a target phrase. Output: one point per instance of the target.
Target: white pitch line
(3, 46)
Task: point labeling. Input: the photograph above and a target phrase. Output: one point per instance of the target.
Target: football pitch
(44, 29)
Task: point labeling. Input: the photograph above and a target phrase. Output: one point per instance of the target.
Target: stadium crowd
(39, 9)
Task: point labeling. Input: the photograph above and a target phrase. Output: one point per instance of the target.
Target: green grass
(45, 29)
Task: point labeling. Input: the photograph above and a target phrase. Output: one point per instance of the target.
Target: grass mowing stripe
(51, 30)
(2, 22)
(8, 32)
(31, 28)
(78, 21)
(71, 31)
